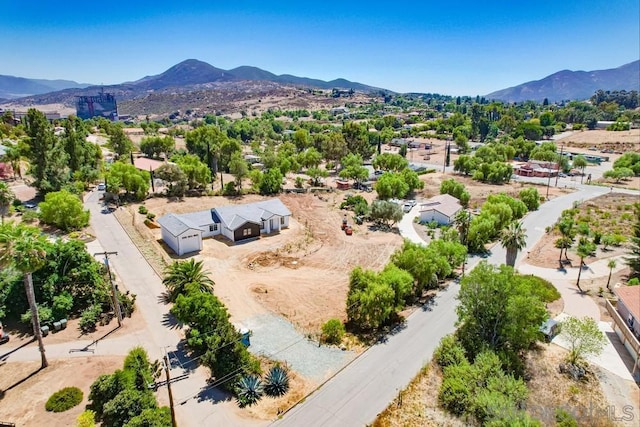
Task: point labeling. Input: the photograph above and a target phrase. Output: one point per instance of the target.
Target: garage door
(189, 242)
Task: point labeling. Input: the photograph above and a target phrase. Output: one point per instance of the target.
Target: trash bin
(63, 323)
(44, 330)
(57, 326)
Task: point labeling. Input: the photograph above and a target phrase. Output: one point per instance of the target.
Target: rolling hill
(17, 87)
(572, 85)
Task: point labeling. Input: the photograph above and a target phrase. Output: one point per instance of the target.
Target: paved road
(160, 333)
(356, 395)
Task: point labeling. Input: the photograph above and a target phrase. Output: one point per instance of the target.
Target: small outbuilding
(180, 234)
(442, 209)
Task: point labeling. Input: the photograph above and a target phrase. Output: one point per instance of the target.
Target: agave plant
(249, 390)
(276, 382)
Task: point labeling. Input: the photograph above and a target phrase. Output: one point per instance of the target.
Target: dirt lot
(25, 389)
(621, 141)
(300, 273)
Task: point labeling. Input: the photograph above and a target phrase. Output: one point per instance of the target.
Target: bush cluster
(64, 399)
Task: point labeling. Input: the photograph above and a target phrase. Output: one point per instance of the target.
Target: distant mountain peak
(573, 85)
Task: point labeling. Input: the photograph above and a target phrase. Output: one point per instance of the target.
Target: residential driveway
(161, 333)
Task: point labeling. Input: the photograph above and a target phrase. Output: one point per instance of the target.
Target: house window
(213, 227)
(281, 220)
(246, 232)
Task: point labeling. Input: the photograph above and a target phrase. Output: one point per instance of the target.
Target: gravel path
(276, 338)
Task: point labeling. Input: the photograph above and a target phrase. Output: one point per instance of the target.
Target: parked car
(30, 205)
(101, 186)
(406, 208)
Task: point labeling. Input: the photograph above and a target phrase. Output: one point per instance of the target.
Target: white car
(101, 186)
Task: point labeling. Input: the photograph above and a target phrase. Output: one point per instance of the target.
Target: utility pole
(168, 376)
(559, 163)
(114, 293)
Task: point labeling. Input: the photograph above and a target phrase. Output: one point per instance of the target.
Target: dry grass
(417, 404)
(548, 390)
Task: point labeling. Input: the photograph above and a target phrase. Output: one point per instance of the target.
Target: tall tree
(6, 197)
(206, 143)
(580, 162)
(24, 248)
(183, 276)
(611, 264)
(239, 169)
(585, 249)
(513, 239)
(498, 311)
(47, 157)
(584, 338)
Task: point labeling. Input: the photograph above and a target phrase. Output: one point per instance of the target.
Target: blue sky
(456, 48)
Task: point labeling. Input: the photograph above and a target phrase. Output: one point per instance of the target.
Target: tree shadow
(94, 342)
(17, 383)
(209, 393)
(169, 321)
(183, 358)
(10, 352)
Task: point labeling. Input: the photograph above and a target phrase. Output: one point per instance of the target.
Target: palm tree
(585, 248)
(6, 197)
(513, 238)
(611, 264)
(181, 276)
(580, 162)
(462, 220)
(24, 248)
(566, 228)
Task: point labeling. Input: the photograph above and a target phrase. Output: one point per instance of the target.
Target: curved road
(357, 394)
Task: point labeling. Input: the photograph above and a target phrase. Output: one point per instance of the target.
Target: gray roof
(200, 218)
(233, 216)
(443, 203)
(176, 225)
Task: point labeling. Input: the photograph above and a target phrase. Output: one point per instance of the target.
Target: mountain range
(197, 84)
(189, 74)
(17, 87)
(572, 85)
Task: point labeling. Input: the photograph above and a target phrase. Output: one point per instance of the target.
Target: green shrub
(151, 216)
(44, 313)
(29, 216)
(62, 305)
(64, 399)
(299, 182)
(449, 352)
(456, 392)
(89, 318)
(565, 419)
(142, 210)
(333, 331)
(86, 419)
(634, 282)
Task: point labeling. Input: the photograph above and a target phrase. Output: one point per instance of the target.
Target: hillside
(572, 85)
(191, 84)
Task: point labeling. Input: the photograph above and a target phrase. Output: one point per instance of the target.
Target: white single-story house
(442, 209)
(235, 222)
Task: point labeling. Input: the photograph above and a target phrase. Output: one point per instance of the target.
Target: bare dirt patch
(300, 273)
(26, 388)
(622, 141)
